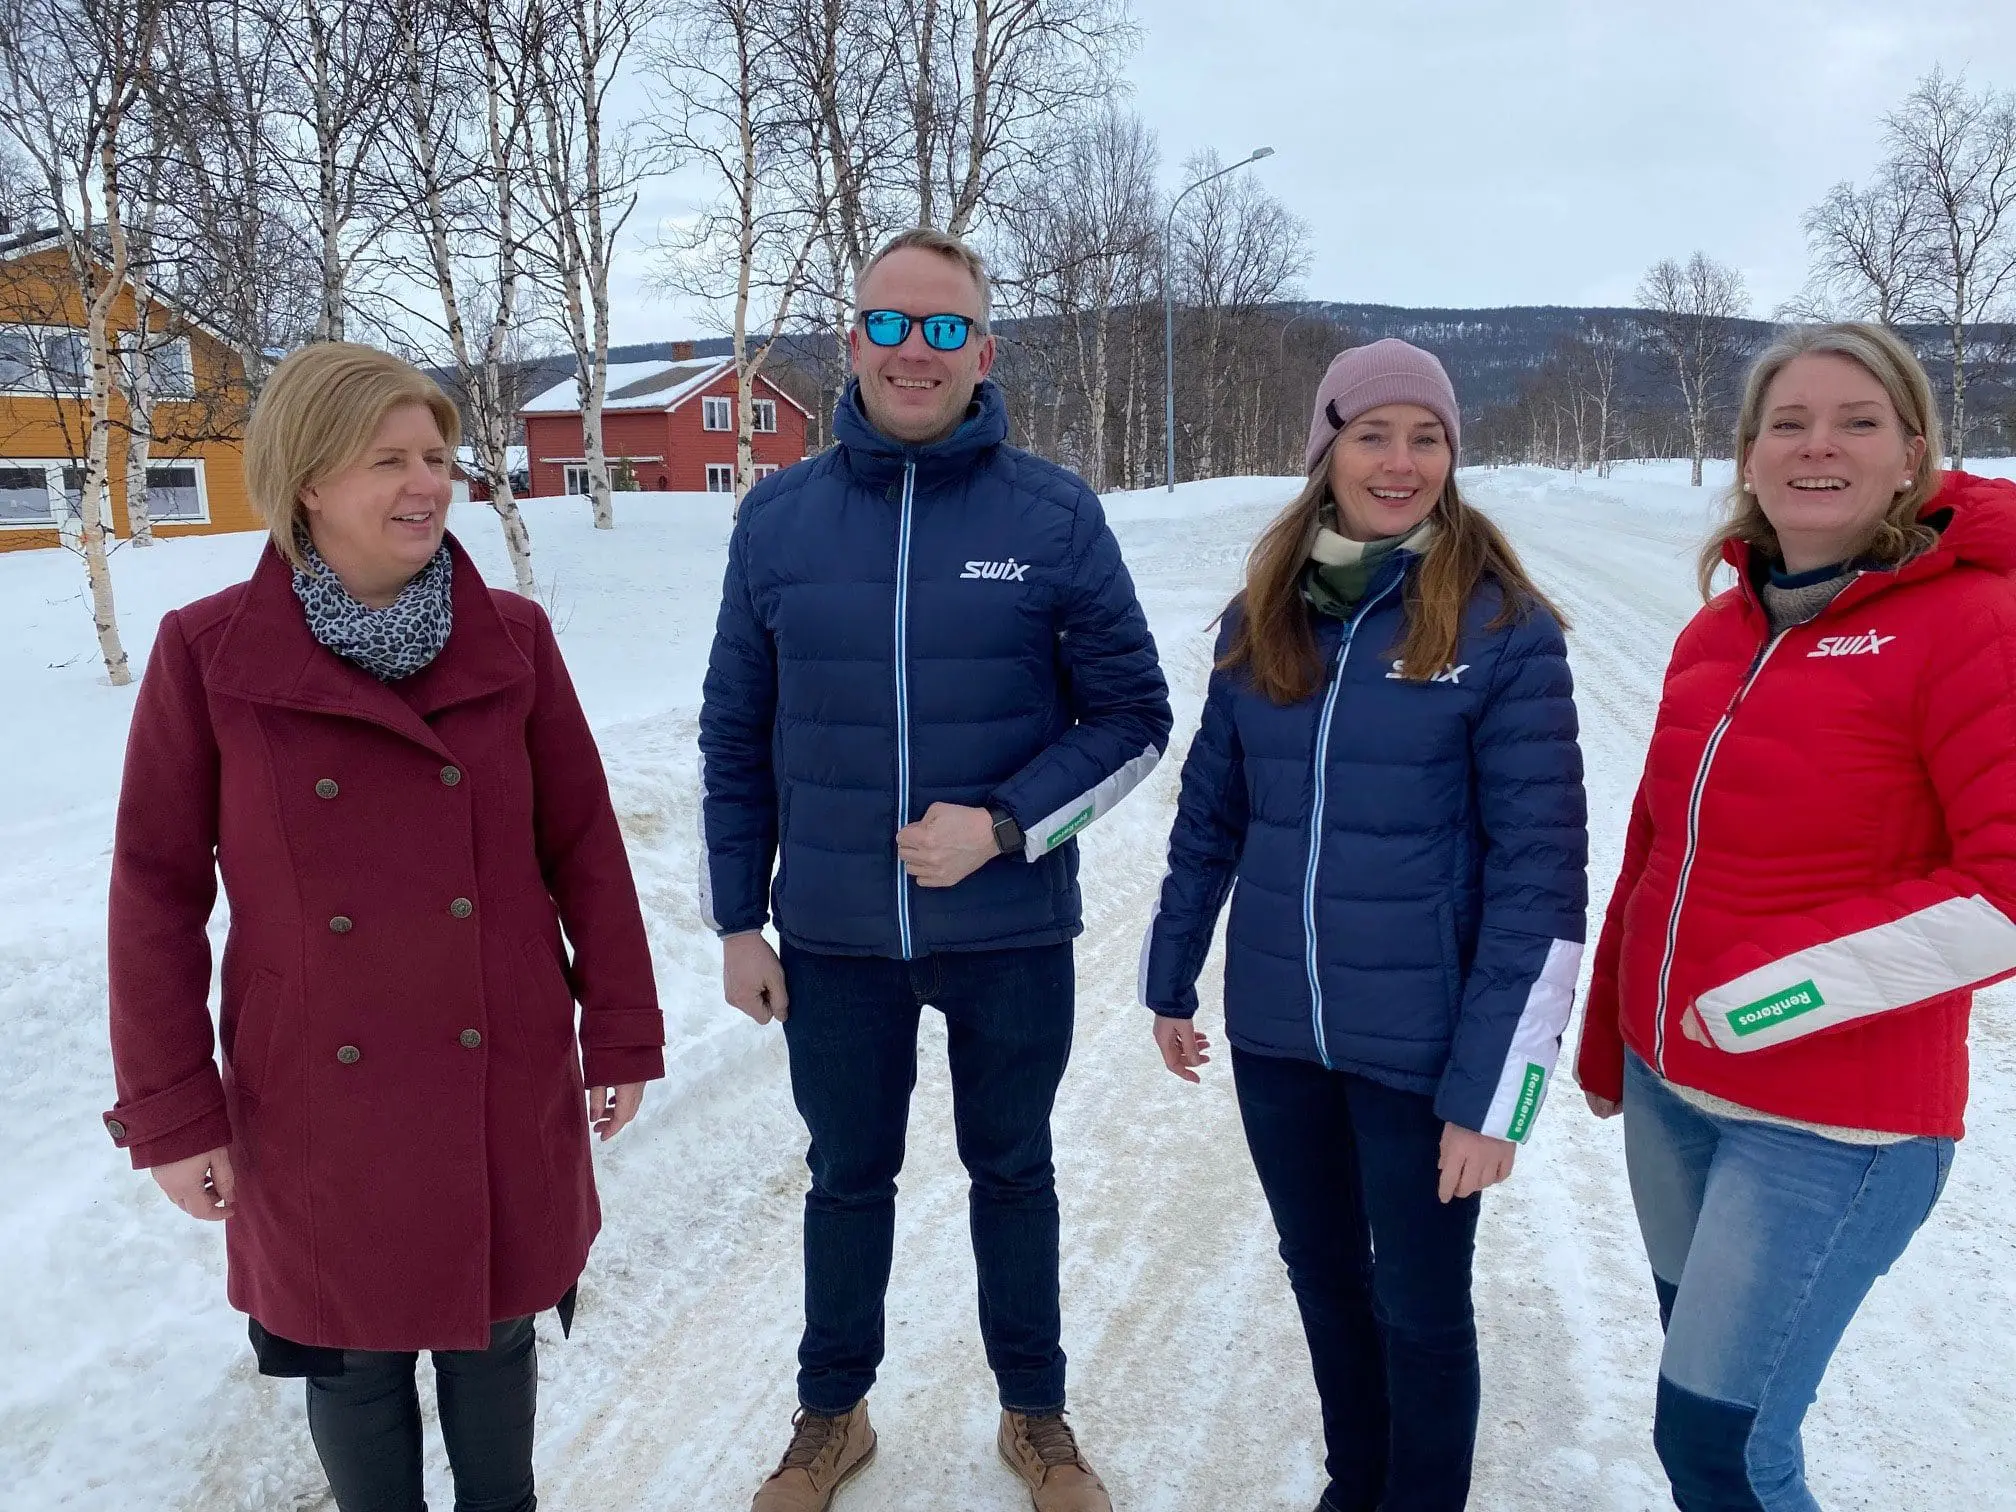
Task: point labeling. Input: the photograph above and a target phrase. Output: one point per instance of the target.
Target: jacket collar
(268, 655)
(1976, 521)
(878, 459)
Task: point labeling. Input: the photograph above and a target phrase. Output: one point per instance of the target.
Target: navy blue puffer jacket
(907, 625)
(1410, 860)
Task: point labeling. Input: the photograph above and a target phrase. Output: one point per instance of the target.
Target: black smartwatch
(1007, 833)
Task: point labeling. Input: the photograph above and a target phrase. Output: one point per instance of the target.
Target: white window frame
(720, 477)
(63, 519)
(763, 416)
(717, 413)
(44, 387)
(202, 491)
(764, 469)
(171, 367)
(572, 473)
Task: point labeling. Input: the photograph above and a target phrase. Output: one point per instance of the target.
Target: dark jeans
(1381, 1272)
(366, 1425)
(852, 1034)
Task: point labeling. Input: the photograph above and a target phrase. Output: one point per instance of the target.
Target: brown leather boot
(1044, 1452)
(825, 1454)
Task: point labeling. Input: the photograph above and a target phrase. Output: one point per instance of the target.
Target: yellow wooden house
(195, 466)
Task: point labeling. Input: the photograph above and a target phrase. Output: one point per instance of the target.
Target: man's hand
(1603, 1107)
(752, 978)
(202, 1186)
(1183, 1048)
(948, 845)
(1472, 1161)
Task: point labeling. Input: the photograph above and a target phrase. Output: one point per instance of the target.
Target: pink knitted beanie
(1386, 372)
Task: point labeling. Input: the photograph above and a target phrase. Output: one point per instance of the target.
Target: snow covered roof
(636, 386)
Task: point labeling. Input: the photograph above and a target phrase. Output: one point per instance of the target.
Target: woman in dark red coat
(386, 762)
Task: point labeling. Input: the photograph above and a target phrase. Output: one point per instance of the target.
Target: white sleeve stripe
(1053, 829)
(1948, 947)
(1536, 1045)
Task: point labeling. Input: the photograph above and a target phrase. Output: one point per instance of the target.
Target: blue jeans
(1763, 1243)
(1349, 1169)
(852, 1034)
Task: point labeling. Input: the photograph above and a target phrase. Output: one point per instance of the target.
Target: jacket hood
(877, 458)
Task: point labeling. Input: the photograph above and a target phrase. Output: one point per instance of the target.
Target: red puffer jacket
(1822, 855)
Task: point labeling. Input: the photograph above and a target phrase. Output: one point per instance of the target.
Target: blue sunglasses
(891, 328)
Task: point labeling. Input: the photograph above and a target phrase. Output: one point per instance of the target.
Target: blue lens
(946, 333)
(887, 328)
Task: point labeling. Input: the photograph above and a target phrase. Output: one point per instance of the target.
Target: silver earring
(1749, 489)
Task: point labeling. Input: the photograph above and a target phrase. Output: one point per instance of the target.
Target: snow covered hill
(125, 1382)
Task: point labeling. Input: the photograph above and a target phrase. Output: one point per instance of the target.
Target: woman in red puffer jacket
(1820, 871)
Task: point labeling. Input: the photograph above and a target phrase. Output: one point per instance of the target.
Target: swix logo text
(1009, 571)
(1868, 643)
(1449, 674)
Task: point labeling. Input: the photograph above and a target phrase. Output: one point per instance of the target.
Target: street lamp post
(1169, 315)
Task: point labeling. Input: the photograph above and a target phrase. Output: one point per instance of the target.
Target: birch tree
(585, 173)
(1692, 311)
(70, 83)
(468, 91)
(342, 121)
(1959, 149)
(1869, 249)
(736, 113)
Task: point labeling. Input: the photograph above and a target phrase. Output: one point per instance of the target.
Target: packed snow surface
(126, 1383)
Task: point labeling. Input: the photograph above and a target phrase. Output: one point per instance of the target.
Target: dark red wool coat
(1822, 857)
(402, 1078)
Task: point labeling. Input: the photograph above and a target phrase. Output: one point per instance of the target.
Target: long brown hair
(1899, 534)
(1275, 639)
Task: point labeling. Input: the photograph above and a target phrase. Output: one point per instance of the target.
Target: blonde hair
(945, 245)
(1883, 355)
(315, 417)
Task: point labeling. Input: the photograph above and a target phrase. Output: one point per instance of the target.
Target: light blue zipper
(903, 698)
(1316, 818)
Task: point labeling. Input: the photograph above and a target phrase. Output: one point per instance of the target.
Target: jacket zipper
(1694, 798)
(1316, 821)
(903, 699)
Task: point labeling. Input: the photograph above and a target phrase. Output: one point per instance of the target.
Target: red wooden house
(673, 424)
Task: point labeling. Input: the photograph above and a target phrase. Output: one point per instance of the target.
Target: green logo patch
(1528, 1106)
(1071, 827)
(1777, 1008)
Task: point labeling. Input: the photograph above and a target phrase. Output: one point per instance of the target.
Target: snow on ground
(125, 1381)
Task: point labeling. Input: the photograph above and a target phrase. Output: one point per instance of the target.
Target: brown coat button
(115, 1128)
(471, 1038)
(326, 788)
(339, 925)
(451, 775)
(461, 908)
(349, 1055)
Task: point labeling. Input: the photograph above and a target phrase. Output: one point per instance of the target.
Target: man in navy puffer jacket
(930, 672)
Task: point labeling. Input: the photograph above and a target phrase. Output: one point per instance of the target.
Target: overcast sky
(1475, 153)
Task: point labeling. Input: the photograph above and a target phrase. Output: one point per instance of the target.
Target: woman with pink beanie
(1387, 768)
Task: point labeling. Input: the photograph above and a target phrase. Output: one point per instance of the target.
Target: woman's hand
(1695, 1028)
(1603, 1107)
(202, 1186)
(610, 1108)
(1183, 1048)
(1471, 1161)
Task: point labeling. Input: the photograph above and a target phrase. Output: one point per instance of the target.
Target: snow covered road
(125, 1382)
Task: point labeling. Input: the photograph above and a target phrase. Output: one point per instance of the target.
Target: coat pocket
(256, 1024)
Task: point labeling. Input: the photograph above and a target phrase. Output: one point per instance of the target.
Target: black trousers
(366, 1425)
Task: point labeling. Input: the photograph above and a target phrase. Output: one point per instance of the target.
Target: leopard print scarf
(388, 643)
